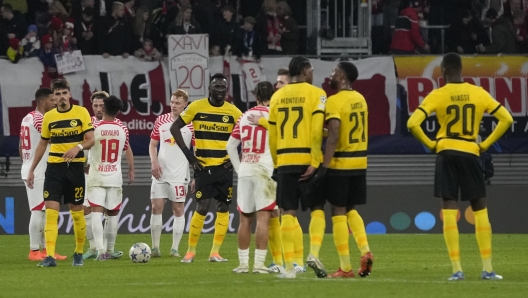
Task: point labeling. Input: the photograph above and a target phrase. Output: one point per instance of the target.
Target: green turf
(405, 266)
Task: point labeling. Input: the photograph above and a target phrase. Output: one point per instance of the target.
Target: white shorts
(108, 197)
(176, 192)
(36, 195)
(256, 194)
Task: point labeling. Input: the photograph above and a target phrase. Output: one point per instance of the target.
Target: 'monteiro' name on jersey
(174, 165)
(256, 156)
(29, 138)
(111, 139)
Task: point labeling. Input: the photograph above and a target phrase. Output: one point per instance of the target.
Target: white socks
(89, 233)
(260, 257)
(177, 231)
(36, 225)
(155, 229)
(112, 223)
(97, 229)
(243, 257)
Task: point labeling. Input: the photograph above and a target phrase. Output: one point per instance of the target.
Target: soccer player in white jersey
(256, 189)
(105, 179)
(29, 138)
(97, 107)
(170, 174)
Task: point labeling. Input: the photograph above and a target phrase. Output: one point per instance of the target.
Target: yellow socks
(274, 240)
(287, 231)
(317, 230)
(451, 237)
(197, 222)
(340, 229)
(483, 233)
(221, 223)
(358, 229)
(79, 229)
(51, 230)
(298, 244)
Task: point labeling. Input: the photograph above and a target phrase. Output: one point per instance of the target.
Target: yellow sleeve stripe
(426, 115)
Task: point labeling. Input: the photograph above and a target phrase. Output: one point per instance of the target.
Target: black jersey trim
(426, 115)
(496, 109)
(350, 154)
(294, 150)
(211, 153)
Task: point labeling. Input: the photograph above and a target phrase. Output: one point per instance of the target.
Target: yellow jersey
(296, 127)
(212, 128)
(350, 108)
(65, 129)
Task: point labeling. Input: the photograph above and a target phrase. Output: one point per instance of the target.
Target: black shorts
(64, 180)
(459, 171)
(214, 182)
(291, 192)
(346, 191)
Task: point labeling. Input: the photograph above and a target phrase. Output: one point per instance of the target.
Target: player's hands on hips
(71, 154)
(193, 185)
(228, 165)
(196, 164)
(308, 174)
(254, 119)
(30, 179)
(131, 176)
(87, 169)
(274, 175)
(319, 176)
(156, 170)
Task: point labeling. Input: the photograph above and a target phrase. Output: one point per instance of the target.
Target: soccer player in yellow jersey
(295, 136)
(213, 119)
(69, 129)
(459, 108)
(343, 172)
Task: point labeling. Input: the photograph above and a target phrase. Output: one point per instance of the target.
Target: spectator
(15, 50)
(31, 42)
(85, 32)
(68, 42)
(57, 27)
(227, 30)
(16, 25)
(80, 6)
(390, 14)
(406, 39)
(521, 28)
(130, 13)
(247, 41)
(184, 23)
(115, 36)
(289, 29)
(143, 29)
(4, 41)
(268, 28)
(47, 55)
(503, 35)
(148, 52)
(214, 51)
(465, 34)
(56, 9)
(204, 12)
(36, 9)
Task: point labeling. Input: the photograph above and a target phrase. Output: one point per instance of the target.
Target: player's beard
(218, 97)
(333, 84)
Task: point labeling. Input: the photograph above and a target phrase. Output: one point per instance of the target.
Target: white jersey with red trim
(111, 139)
(256, 155)
(29, 138)
(174, 165)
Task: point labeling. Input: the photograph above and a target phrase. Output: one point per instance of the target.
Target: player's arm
(153, 153)
(232, 151)
(129, 155)
(317, 137)
(334, 126)
(413, 124)
(272, 128)
(39, 152)
(175, 130)
(505, 121)
(89, 141)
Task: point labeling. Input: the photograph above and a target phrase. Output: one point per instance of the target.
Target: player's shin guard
(340, 231)
(451, 237)
(221, 224)
(178, 225)
(298, 244)
(79, 229)
(51, 231)
(197, 222)
(35, 229)
(287, 231)
(89, 233)
(317, 230)
(156, 223)
(483, 234)
(112, 224)
(358, 229)
(275, 241)
(97, 231)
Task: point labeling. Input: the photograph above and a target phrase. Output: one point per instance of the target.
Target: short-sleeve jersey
(291, 111)
(65, 129)
(350, 108)
(212, 128)
(459, 108)
(256, 157)
(111, 139)
(29, 138)
(174, 165)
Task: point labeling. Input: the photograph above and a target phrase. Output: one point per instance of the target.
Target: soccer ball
(139, 253)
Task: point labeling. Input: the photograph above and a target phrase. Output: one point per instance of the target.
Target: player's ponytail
(263, 92)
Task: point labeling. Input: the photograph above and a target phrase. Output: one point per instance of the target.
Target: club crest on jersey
(170, 141)
(323, 99)
(73, 123)
(225, 119)
(46, 194)
(198, 194)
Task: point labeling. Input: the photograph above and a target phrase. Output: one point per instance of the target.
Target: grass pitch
(405, 266)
